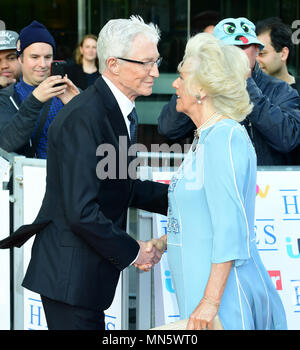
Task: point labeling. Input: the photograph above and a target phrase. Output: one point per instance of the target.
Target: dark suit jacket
(82, 245)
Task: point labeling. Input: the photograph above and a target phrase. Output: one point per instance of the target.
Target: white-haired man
(82, 246)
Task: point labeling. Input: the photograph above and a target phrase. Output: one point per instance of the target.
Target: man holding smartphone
(28, 107)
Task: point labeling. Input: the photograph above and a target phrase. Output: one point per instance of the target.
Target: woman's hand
(203, 316)
(160, 244)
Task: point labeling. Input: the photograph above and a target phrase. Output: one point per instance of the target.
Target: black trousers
(61, 316)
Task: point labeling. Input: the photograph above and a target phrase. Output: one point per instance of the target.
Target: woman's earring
(198, 97)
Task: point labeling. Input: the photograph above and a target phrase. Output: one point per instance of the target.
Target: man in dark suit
(82, 246)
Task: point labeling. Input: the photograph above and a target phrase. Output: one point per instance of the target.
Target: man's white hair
(116, 37)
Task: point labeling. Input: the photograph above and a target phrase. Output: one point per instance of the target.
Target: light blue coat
(211, 220)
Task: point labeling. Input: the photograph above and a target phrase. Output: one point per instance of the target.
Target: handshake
(150, 253)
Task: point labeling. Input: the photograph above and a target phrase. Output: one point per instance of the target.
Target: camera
(58, 68)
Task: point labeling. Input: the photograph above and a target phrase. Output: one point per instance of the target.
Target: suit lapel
(115, 116)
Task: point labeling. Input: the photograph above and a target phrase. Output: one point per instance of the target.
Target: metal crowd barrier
(140, 301)
(22, 309)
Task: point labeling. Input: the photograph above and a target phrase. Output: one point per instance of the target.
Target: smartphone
(58, 68)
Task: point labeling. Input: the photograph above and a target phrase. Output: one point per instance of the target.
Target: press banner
(278, 235)
(277, 228)
(34, 183)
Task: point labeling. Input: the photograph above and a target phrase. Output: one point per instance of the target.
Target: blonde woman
(214, 262)
(85, 71)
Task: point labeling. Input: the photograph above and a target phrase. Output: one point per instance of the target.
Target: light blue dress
(211, 220)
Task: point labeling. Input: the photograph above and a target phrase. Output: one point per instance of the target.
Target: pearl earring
(198, 97)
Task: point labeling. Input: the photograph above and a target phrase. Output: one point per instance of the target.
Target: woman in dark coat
(85, 71)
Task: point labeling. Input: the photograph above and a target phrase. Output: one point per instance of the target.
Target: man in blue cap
(28, 107)
(274, 123)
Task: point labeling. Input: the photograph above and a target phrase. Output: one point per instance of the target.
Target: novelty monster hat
(237, 31)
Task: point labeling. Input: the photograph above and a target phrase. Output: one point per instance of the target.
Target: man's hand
(70, 91)
(5, 81)
(47, 89)
(155, 246)
(149, 255)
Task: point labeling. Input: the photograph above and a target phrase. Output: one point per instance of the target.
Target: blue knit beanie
(35, 32)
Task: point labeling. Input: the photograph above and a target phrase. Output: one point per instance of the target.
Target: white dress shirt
(126, 107)
(124, 103)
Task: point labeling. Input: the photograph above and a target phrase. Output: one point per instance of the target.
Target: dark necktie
(133, 118)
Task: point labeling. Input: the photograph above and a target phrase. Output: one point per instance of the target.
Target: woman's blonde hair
(221, 70)
(78, 54)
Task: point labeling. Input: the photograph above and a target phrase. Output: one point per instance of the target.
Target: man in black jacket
(275, 57)
(82, 246)
(274, 123)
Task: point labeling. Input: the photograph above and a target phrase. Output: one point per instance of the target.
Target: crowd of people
(273, 125)
(234, 93)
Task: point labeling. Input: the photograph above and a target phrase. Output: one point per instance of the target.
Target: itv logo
(168, 282)
(262, 193)
(293, 247)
